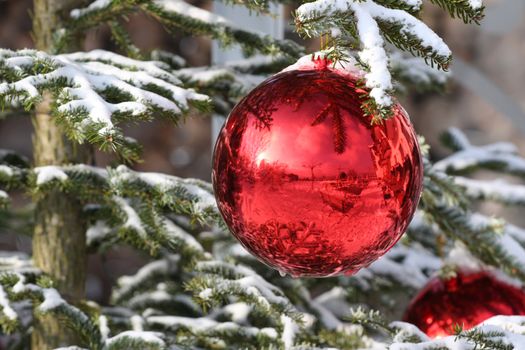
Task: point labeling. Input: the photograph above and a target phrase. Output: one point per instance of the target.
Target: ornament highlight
(466, 300)
(307, 183)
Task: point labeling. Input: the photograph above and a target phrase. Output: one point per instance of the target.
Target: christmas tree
(201, 289)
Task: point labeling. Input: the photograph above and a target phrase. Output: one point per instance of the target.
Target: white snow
(290, 330)
(408, 265)
(410, 24)
(183, 8)
(14, 260)
(498, 189)
(507, 329)
(94, 6)
(137, 323)
(204, 199)
(501, 153)
(52, 300)
(178, 233)
(510, 245)
(373, 54)
(97, 232)
(19, 286)
(6, 306)
(149, 337)
(89, 73)
(335, 301)
(6, 171)
(475, 4)
(205, 324)
(206, 294)
(126, 283)
(238, 312)
(416, 70)
(415, 4)
(48, 173)
(103, 326)
(133, 220)
(407, 330)
(461, 257)
(241, 83)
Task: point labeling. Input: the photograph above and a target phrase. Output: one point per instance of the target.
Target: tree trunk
(59, 243)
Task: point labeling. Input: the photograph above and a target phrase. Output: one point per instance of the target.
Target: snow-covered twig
(94, 91)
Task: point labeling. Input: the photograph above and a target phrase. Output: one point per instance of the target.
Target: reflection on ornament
(305, 181)
(466, 300)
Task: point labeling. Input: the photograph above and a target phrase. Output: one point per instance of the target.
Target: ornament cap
(321, 62)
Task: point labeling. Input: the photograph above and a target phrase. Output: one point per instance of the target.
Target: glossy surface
(306, 183)
(467, 300)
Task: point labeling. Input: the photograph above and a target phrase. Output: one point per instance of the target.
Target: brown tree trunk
(59, 243)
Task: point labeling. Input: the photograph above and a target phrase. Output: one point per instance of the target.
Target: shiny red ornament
(465, 300)
(307, 183)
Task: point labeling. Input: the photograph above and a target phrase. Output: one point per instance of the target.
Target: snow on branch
(501, 156)
(415, 72)
(92, 92)
(495, 190)
(409, 266)
(138, 205)
(370, 23)
(218, 280)
(496, 333)
(468, 10)
(205, 327)
(147, 275)
(183, 16)
(224, 84)
(48, 300)
(136, 340)
(182, 196)
(190, 196)
(485, 238)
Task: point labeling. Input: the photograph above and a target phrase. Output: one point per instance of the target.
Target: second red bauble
(466, 300)
(307, 183)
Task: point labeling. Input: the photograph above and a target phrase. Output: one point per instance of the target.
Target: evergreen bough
(202, 290)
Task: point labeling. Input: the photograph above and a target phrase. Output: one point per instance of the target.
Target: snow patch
(49, 173)
(52, 300)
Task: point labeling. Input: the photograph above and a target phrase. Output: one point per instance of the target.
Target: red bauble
(304, 180)
(467, 300)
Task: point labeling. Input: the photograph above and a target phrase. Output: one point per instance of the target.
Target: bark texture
(59, 247)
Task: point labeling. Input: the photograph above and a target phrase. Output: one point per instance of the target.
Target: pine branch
(483, 238)
(121, 37)
(92, 92)
(225, 85)
(205, 331)
(48, 300)
(468, 10)
(493, 190)
(148, 275)
(136, 340)
(218, 280)
(501, 156)
(173, 61)
(414, 72)
(181, 15)
(367, 24)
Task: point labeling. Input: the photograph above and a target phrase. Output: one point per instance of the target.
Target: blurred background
(486, 99)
